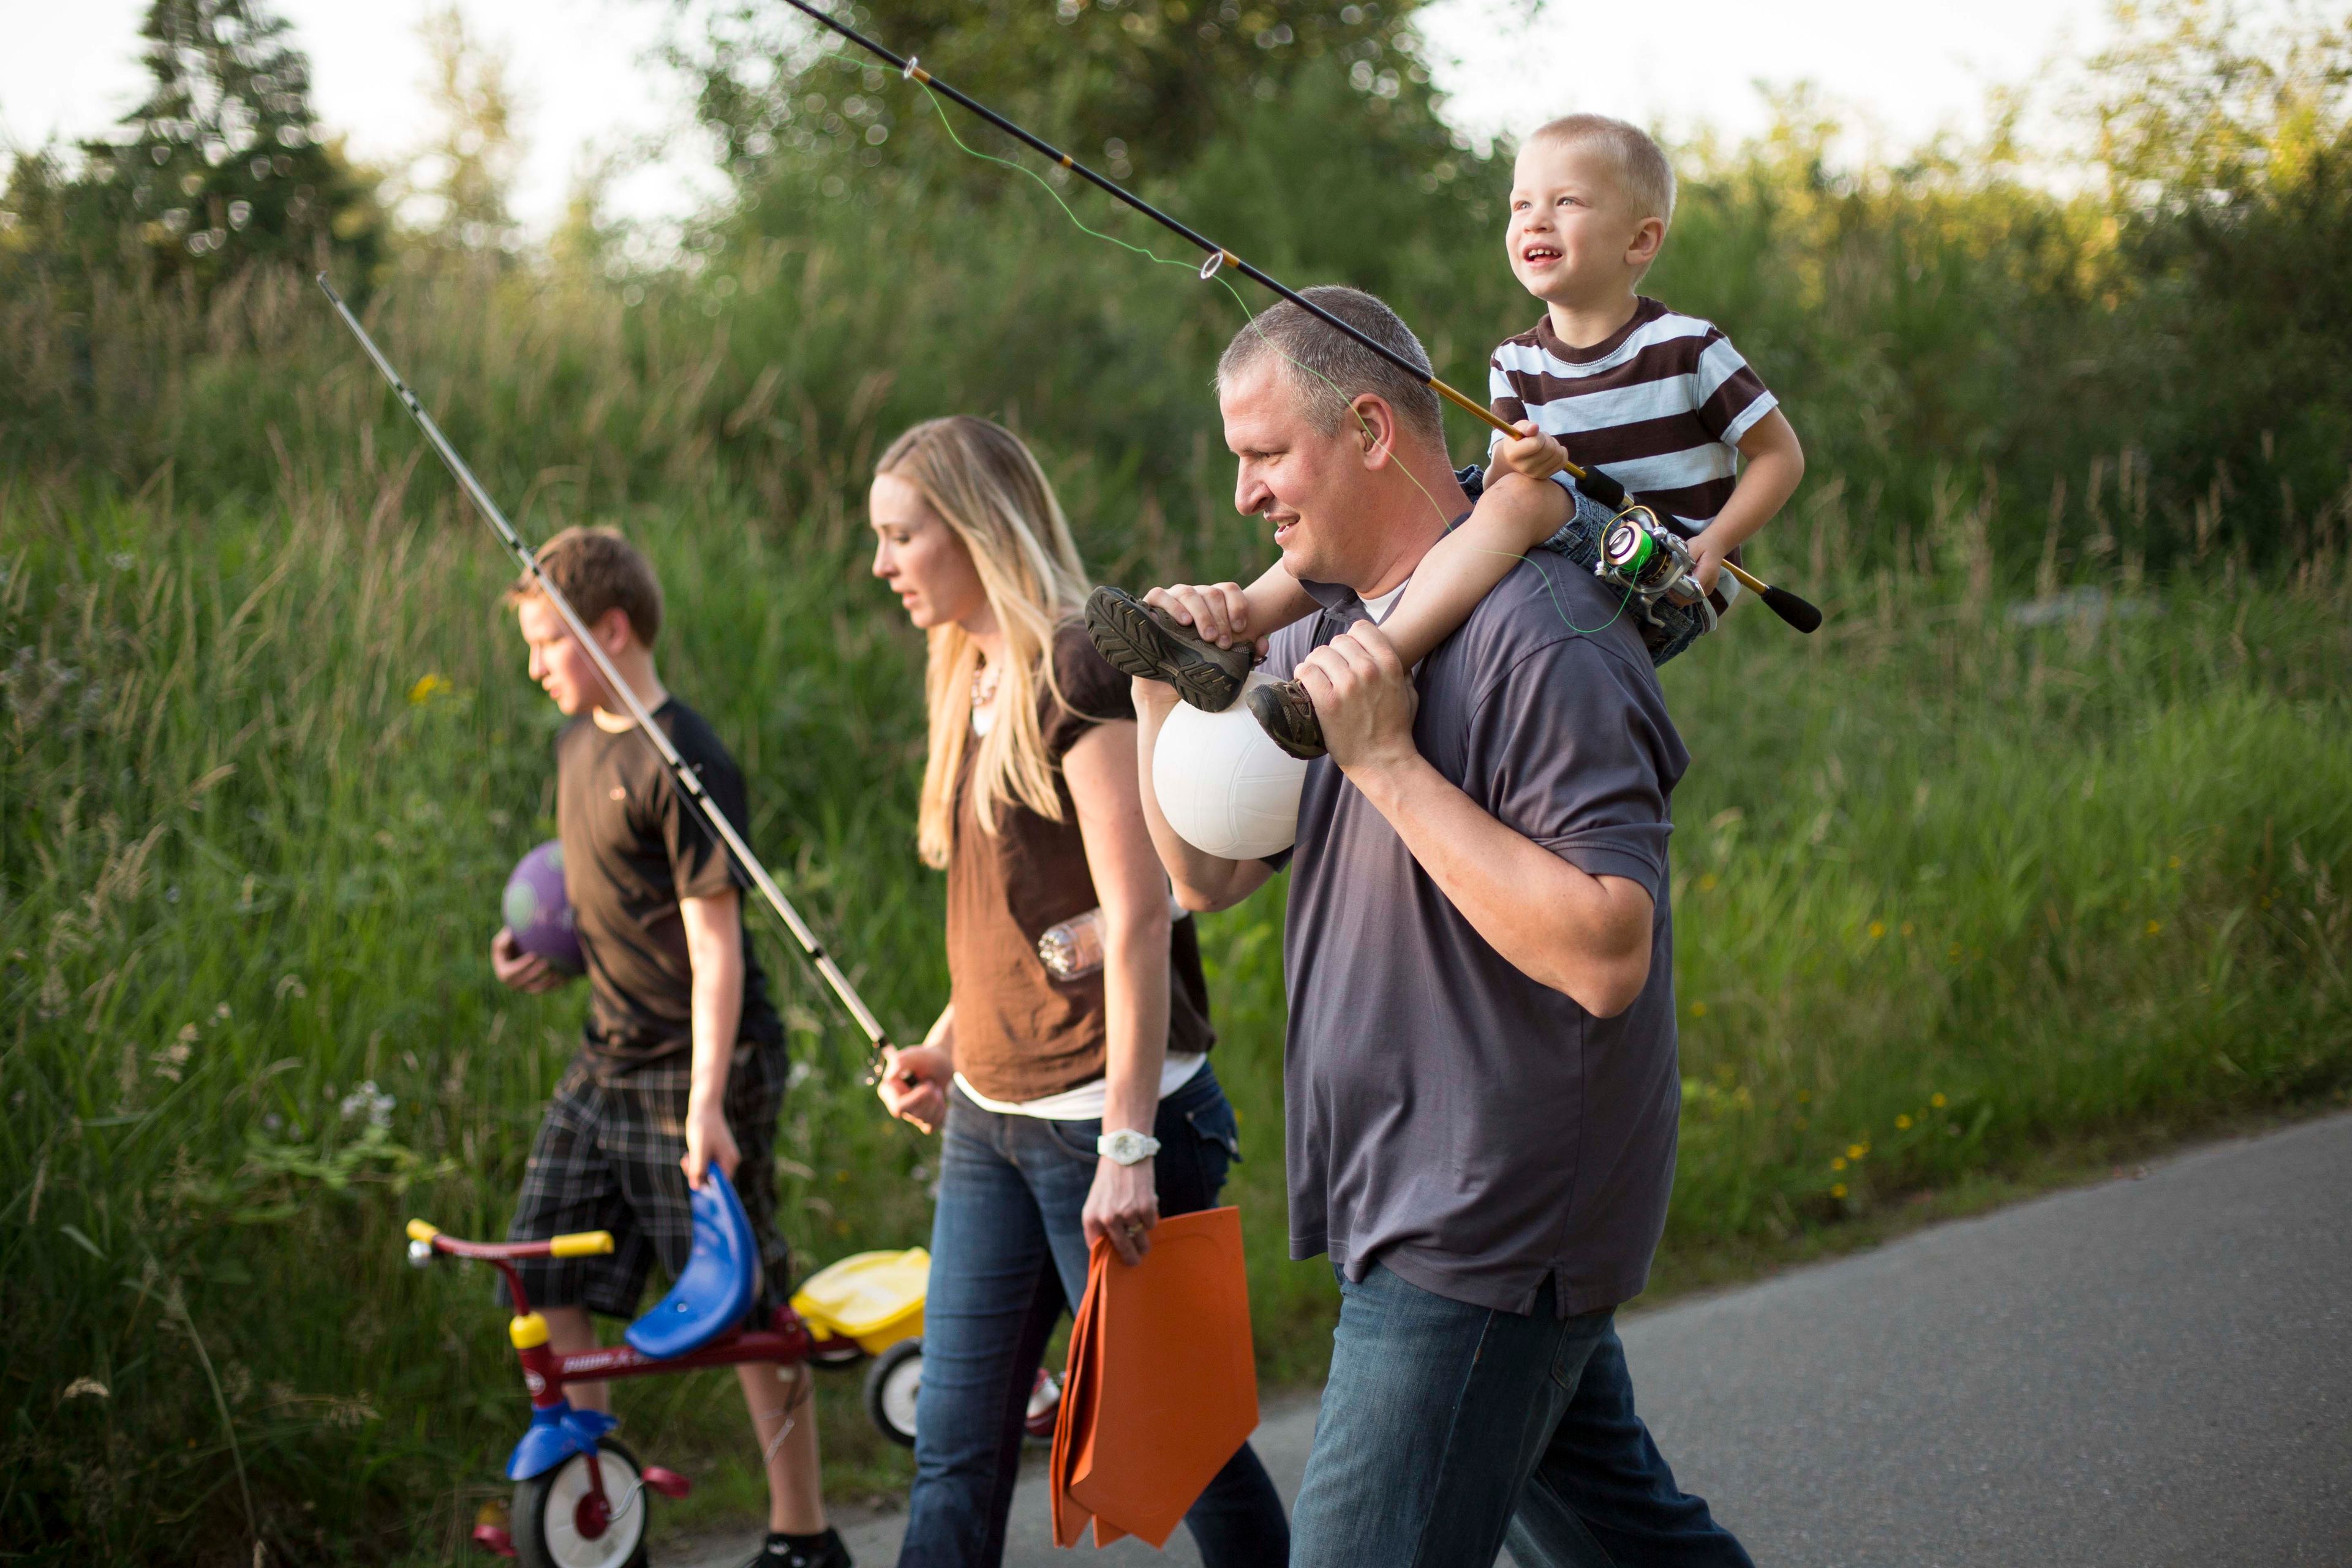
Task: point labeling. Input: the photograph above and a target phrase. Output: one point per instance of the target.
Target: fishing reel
(1643, 555)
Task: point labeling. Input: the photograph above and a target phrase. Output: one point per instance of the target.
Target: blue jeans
(1666, 628)
(1447, 1429)
(1008, 1258)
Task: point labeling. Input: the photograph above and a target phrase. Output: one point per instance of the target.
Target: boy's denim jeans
(1008, 1258)
(1447, 1429)
(1666, 628)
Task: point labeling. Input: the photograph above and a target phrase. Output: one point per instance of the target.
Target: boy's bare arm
(714, 948)
(1773, 460)
(1513, 516)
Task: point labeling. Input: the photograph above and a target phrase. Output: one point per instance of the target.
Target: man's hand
(1534, 454)
(1217, 611)
(523, 971)
(708, 1141)
(914, 1086)
(1364, 698)
(1123, 1205)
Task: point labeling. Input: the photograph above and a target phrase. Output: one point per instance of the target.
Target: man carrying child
(1480, 1079)
(682, 1063)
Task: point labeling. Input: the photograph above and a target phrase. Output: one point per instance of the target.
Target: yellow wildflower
(1838, 1163)
(1877, 929)
(1902, 1123)
(1698, 1009)
(1838, 1190)
(1856, 1151)
(2154, 927)
(1936, 1099)
(427, 689)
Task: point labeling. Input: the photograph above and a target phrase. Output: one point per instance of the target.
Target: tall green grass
(1951, 890)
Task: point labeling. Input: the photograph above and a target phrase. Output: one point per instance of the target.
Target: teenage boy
(682, 1064)
(1662, 401)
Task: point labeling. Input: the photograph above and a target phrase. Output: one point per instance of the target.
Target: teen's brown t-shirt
(1019, 1034)
(634, 845)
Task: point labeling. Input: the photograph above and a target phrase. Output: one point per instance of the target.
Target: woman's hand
(1124, 1206)
(914, 1086)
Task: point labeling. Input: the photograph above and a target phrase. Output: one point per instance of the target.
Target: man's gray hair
(1330, 370)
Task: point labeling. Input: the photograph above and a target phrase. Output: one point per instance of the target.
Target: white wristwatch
(1127, 1146)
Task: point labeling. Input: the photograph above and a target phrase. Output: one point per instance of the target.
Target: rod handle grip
(1797, 612)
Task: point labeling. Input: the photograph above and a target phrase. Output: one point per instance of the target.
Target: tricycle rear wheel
(554, 1517)
(891, 1384)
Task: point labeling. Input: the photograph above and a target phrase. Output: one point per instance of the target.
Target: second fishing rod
(1592, 481)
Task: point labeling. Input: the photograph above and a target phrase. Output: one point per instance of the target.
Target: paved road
(2152, 1371)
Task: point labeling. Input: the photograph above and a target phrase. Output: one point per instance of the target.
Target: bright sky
(586, 83)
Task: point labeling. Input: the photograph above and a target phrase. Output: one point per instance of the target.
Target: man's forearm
(1586, 936)
(1201, 881)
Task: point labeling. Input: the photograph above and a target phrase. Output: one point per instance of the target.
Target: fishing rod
(1603, 489)
(679, 768)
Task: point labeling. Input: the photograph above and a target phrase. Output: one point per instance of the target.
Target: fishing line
(1595, 483)
(1217, 275)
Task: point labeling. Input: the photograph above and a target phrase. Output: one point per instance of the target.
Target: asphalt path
(2155, 1369)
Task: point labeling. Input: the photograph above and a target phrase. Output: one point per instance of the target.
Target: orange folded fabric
(1161, 1385)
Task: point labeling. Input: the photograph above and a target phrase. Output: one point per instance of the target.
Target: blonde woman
(1073, 1107)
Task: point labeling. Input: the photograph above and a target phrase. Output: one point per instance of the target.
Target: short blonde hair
(598, 570)
(1635, 158)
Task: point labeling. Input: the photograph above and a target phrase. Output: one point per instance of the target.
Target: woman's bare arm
(1133, 891)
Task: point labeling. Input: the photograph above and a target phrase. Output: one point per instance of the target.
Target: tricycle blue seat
(716, 1289)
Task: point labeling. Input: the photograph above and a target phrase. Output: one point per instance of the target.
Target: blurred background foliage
(2039, 848)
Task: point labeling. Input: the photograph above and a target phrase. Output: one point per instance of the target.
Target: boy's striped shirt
(1661, 404)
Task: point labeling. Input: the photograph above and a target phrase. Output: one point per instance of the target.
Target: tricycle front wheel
(561, 1521)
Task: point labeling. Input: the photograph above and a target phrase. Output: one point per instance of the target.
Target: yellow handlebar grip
(420, 1230)
(582, 1244)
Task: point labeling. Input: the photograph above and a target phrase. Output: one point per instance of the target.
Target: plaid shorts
(606, 1158)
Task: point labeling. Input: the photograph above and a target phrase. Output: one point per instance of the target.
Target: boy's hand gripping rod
(678, 765)
(1592, 481)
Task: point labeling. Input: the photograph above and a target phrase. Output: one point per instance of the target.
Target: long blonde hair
(984, 484)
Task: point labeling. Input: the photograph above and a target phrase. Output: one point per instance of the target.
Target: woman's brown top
(1019, 1034)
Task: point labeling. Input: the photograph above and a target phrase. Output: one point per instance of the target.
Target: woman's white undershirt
(1084, 1103)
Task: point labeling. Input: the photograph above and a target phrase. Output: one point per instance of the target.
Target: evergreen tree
(223, 163)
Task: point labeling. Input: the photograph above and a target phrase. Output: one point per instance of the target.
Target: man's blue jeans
(1008, 1258)
(1447, 1428)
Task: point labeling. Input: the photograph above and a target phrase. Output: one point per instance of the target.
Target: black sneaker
(1287, 714)
(1148, 644)
(825, 1551)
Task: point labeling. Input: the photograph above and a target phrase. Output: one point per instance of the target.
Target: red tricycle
(579, 1499)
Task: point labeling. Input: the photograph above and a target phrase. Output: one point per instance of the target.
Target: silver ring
(908, 74)
(1209, 267)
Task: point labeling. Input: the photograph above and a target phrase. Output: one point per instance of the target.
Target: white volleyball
(1224, 785)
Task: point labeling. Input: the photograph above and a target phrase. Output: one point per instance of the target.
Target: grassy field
(2039, 849)
(1953, 891)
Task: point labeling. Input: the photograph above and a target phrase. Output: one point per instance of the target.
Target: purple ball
(538, 911)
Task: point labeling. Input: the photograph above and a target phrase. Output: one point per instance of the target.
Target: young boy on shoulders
(1661, 400)
(682, 1063)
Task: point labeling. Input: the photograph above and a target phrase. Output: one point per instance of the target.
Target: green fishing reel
(1644, 555)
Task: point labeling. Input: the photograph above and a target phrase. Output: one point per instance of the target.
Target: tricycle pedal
(668, 1482)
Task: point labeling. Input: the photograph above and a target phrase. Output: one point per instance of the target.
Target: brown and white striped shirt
(1661, 404)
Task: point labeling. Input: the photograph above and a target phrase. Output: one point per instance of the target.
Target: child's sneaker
(1287, 714)
(1148, 643)
(825, 1551)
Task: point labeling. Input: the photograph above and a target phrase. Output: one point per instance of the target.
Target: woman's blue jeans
(1008, 1258)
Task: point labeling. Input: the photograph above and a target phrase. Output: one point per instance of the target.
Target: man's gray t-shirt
(1473, 1130)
